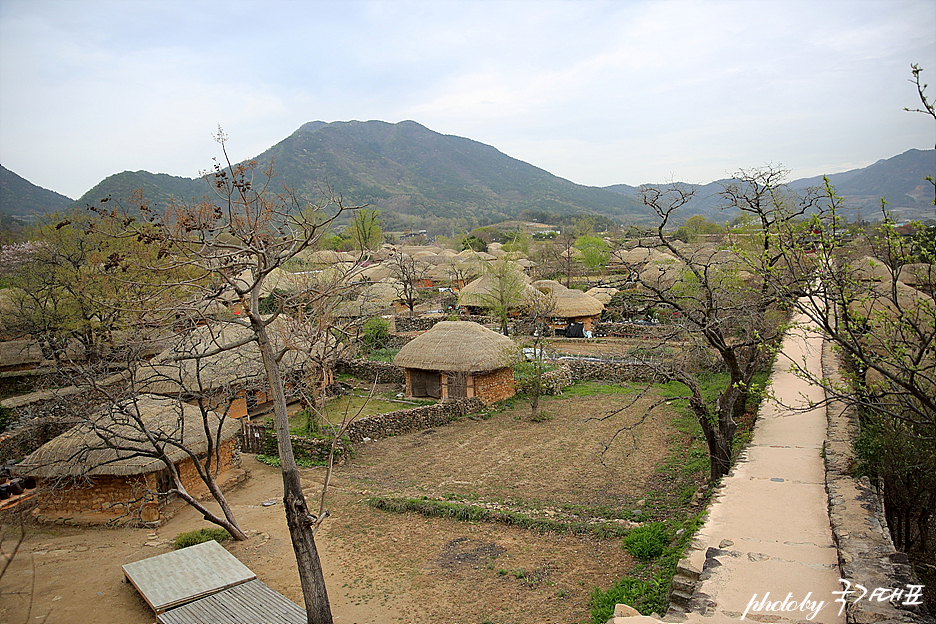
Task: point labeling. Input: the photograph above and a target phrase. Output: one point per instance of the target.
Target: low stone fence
(865, 551)
(424, 323)
(612, 371)
(34, 419)
(630, 330)
(412, 419)
(367, 370)
(380, 426)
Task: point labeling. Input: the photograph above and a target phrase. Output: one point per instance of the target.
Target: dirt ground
(382, 567)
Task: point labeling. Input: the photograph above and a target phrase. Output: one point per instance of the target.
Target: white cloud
(597, 92)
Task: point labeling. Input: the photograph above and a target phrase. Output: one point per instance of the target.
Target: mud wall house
(107, 470)
(233, 380)
(459, 359)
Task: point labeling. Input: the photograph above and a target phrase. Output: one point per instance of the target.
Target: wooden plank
(181, 576)
(248, 603)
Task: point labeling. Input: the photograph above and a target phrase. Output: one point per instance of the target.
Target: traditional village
(500, 312)
(145, 420)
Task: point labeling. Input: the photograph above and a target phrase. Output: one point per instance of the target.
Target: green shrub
(645, 596)
(184, 540)
(383, 355)
(374, 333)
(648, 541)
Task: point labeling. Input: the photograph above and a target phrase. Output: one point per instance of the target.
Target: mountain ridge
(423, 179)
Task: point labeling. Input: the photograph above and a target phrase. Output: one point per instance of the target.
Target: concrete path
(769, 530)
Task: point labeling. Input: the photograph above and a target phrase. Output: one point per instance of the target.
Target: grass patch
(646, 587)
(382, 355)
(473, 513)
(200, 536)
(648, 541)
(302, 462)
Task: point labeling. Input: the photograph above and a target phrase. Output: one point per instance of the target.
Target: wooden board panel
(172, 579)
(248, 603)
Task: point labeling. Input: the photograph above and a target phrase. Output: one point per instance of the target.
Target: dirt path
(382, 567)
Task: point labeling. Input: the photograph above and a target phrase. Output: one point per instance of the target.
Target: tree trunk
(298, 518)
(719, 444)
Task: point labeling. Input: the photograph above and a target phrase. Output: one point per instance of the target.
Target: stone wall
(413, 419)
(424, 323)
(366, 370)
(37, 418)
(611, 371)
(866, 553)
(380, 426)
(630, 330)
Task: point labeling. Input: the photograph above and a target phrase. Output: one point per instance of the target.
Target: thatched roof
(458, 346)
(548, 285)
(174, 370)
(918, 274)
(602, 293)
(870, 269)
(87, 449)
(481, 292)
(571, 302)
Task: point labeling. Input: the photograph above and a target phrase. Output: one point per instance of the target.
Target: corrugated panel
(172, 579)
(249, 603)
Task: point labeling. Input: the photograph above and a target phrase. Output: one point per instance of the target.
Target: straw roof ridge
(186, 365)
(114, 442)
(458, 346)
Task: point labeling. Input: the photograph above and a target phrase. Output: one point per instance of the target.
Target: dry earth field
(386, 567)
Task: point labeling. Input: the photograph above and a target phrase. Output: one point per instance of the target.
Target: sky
(597, 92)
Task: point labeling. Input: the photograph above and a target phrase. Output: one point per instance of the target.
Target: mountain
(900, 180)
(409, 169)
(23, 200)
(415, 176)
(422, 179)
(159, 189)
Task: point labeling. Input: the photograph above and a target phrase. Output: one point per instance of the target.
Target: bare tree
(730, 313)
(538, 313)
(410, 274)
(233, 244)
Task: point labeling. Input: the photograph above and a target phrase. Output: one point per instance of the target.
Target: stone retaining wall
(424, 323)
(413, 419)
(611, 371)
(367, 370)
(630, 330)
(866, 553)
(380, 426)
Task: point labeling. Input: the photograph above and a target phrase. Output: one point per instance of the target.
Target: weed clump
(648, 541)
(200, 536)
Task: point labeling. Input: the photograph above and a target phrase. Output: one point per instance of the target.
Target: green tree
(365, 229)
(74, 289)
(595, 251)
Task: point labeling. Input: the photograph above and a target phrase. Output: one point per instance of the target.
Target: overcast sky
(597, 92)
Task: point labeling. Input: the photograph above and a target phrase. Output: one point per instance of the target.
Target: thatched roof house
(459, 359)
(602, 293)
(235, 377)
(483, 292)
(571, 306)
(108, 467)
